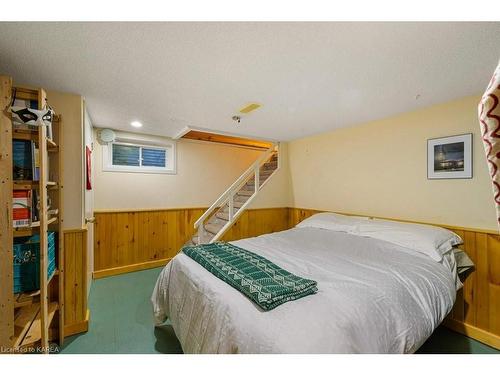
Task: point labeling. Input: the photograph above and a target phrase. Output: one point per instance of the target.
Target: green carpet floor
(121, 321)
(121, 318)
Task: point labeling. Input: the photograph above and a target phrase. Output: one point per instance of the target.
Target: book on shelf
(36, 204)
(26, 207)
(35, 216)
(36, 162)
(26, 160)
(22, 159)
(33, 104)
(21, 203)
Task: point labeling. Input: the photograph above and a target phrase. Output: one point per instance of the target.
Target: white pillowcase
(427, 239)
(332, 221)
(430, 240)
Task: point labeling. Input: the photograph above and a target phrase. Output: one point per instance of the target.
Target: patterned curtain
(489, 119)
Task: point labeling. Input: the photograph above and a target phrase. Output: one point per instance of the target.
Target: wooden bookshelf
(29, 319)
(24, 135)
(26, 299)
(30, 185)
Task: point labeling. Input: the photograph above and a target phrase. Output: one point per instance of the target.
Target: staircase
(212, 225)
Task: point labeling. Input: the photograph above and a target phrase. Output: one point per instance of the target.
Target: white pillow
(464, 263)
(331, 221)
(427, 239)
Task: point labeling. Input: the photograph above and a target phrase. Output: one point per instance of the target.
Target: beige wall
(204, 171)
(380, 168)
(70, 107)
(276, 192)
(377, 168)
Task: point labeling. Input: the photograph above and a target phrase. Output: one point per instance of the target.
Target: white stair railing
(228, 197)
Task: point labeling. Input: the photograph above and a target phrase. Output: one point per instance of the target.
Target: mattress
(373, 297)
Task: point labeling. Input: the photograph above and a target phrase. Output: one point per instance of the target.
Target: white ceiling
(309, 77)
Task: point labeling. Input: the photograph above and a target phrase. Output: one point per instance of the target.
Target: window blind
(126, 155)
(154, 157)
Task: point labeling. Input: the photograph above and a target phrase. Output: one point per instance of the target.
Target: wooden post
(257, 178)
(44, 171)
(6, 235)
(231, 207)
(59, 131)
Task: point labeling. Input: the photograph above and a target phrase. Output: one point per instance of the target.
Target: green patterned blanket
(256, 277)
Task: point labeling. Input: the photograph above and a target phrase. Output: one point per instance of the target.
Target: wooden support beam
(6, 236)
(226, 139)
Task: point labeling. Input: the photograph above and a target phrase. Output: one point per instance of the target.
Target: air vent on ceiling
(249, 108)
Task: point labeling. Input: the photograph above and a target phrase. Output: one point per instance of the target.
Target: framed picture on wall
(449, 157)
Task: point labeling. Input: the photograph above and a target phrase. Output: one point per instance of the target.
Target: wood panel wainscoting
(126, 241)
(476, 312)
(76, 313)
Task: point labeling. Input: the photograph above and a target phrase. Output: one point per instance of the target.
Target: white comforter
(374, 297)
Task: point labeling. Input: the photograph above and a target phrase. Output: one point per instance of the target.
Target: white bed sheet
(374, 297)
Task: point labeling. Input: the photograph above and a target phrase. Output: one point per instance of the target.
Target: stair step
(217, 220)
(264, 171)
(251, 185)
(240, 198)
(245, 192)
(270, 165)
(237, 206)
(261, 178)
(237, 203)
(224, 214)
(264, 174)
(206, 238)
(213, 228)
(195, 240)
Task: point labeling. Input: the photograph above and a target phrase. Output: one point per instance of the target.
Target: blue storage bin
(27, 261)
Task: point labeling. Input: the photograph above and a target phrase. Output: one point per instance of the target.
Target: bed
(374, 296)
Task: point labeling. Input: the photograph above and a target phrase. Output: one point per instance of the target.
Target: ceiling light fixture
(136, 124)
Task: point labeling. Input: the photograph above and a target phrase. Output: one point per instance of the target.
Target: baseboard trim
(130, 268)
(478, 334)
(78, 327)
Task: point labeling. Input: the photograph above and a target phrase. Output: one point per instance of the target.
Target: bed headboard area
(477, 309)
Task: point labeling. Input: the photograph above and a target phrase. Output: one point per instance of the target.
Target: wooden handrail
(231, 191)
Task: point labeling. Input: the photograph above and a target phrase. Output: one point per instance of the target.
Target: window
(136, 157)
(154, 157)
(126, 155)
